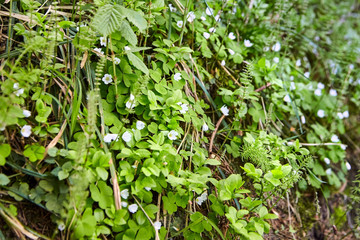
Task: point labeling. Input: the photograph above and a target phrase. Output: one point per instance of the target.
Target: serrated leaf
(137, 62)
(128, 33)
(108, 19)
(135, 18)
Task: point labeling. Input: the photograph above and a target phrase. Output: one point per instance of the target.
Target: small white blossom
(209, 11)
(206, 35)
(190, 17)
(140, 125)
(16, 86)
(98, 50)
(125, 193)
(291, 78)
(172, 135)
(103, 41)
(61, 227)
(298, 63)
(26, 113)
(317, 92)
(205, 127)
(223, 63)
(335, 138)
(202, 198)
(107, 79)
(177, 76)
(148, 188)
(234, 10)
(131, 103)
(321, 113)
(317, 38)
(351, 66)
(287, 98)
(292, 86)
(19, 91)
(116, 60)
(265, 49)
(157, 225)
(247, 43)
(124, 204)
(340, 115)
(348, 166)
(133, 208)
(26, 131)
(134, 166)
(217, 18)
(109, 137)
(127, 48)
(346, 114)
(333, 92)
(276, 47)
(328, 171)
(232, 36)
(320, 85)
(231, 51)
(276, 59)
(184, 108)
(172, 9)
(126, 136)
(180, 24)
(327, 161)
(224, 109)
(212, 29)
(203, 18)
(343, 146)
(303, 120)
(307, 74)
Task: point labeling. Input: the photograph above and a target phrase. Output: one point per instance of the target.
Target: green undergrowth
(174, 120)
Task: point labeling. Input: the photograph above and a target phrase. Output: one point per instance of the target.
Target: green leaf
(263, 211)
(4, 180)
(128, 33)
(5, 150)
(135, 18)
(108, 18)
(137, 62)
(212, 162)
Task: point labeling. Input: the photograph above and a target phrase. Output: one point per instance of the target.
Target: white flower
(127, 48)
(125, 193)
(98, 50)
(348, 166)
(231, 36)
(303, 120)
(343, 146)
(184, 108)
(26, 113)
(109, 137)
(202, 198)
(292, 86)
(209, 11)
(206, 35)
(116, 60)
(231, 51)
(217, 18)
(307, 74)
(157, 225)
(276, 59)
(212, 29)
(124, 204)
(131, 103)
(177, 76)
(298, 63)
(18, 91)
(327, 161)
(81, 25)
(148, 188)
(179, 24)
(133, 208)
(26, 131)
(134, 166)
(16, 86)
(317, 92)
(317, 38)
(172, 135)
(140, 125)
(321, 113)
(291, 78)
(328, 171)
(265, 49)
(247, 43)
(172, 9)
(346, 114)
(276, 47)
(107, 79)
(61, 227)
(234, 10)
(223, 63)
(351, 66)
(126, 136)
(287, 98)
(340, 115)
(190, 17)
(224, 110)
(333, 92)
(205, 127)
(335, 138)
(203, 18)
(103, 41)
(320, 85)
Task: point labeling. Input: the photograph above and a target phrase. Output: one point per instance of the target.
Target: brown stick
(214, 133)
(263, 87)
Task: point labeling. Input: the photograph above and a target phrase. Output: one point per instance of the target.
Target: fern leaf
(108, 19)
